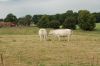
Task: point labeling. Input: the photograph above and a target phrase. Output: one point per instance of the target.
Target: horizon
(21, 8)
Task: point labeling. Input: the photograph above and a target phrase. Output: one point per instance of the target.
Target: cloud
(23, 7)
(4, 0)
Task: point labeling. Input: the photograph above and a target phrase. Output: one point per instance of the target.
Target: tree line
(83, 18)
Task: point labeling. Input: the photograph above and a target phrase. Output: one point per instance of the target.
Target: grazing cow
(61, 33)
(43, 34)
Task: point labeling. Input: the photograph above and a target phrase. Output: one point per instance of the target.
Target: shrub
(70, 23)
(54, 24)
(86, 20)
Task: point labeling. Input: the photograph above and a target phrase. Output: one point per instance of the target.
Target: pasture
(20, 46)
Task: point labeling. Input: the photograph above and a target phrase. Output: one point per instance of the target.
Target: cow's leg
(40, 38)
(45, 37)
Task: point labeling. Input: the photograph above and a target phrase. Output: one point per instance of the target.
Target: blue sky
(23, 7)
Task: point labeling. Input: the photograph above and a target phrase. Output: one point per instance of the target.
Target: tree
(10, 18)
(43, 22)
(75, 15)
(63, 16)
(52, 17)
(69, 23)
(21, 21)
(25, 21)
(1, 20)
(69, 13)
(86, 20)
(97, 16)
(36, 18)
(28, 20)
(54, 24)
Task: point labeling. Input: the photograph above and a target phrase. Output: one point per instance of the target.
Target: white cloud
(4, 0)
(23, 7)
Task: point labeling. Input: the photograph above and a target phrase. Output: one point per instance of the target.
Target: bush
(54, 24)
(86, 20)
(70, 23)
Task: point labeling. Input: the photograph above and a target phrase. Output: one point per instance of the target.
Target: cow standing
(43, 34)
(61, 33)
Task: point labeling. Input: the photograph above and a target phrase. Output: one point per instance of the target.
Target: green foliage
(60, 17)
(1, 20)
(52, 17)
(69, 23)
(43, 22)
(54, 24)
(28, 20)
(36, 18)
(75, 15)
(69, 13)
(11, 18)
(21, 21)
(83, 18)
(97, 16)
(25, 21)
(86, 20)
(41, 64)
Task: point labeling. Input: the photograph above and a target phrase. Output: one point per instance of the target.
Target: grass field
(20, 46)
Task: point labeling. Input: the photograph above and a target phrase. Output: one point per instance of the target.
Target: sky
(21, 8)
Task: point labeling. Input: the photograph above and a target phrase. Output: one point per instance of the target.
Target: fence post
(2, 60)
(92, 61)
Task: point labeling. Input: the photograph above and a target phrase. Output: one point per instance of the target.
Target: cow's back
(63, 32)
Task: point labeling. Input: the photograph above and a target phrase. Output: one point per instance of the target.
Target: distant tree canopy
(25, 21)
(21, 21)
(43, 22)
(97, 16)
(69, 19)
(10, 18)
(1, 20)
(36, 18)
(28, 20)
(86, 20)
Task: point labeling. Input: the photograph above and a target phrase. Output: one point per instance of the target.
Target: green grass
(98, 27)
(34, 30)
(95, 32)
(18, 30)
(21, 47)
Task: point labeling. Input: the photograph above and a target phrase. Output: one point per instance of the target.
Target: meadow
(20, 46)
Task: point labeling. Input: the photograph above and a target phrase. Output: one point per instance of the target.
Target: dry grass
(26, 50)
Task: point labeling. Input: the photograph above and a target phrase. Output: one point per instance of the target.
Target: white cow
(61, 33)
(43, 34)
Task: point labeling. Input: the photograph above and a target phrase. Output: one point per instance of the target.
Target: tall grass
(18, 30)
